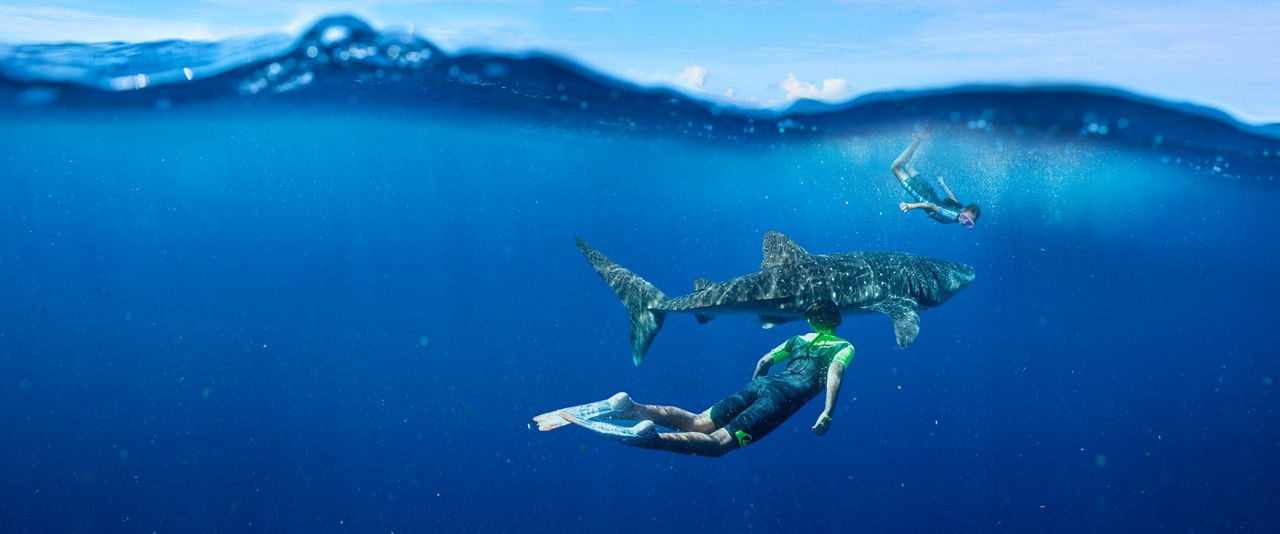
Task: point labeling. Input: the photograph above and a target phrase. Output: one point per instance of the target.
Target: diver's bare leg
(902, 166)
(695, 443)
(671, 417)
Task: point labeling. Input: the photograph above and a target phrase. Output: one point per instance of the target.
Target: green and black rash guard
(811, 355)
(765, 402)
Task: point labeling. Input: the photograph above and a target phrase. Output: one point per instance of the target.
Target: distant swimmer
(947, 210)
(817, 362)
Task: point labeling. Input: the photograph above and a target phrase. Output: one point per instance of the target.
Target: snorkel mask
(965, 220)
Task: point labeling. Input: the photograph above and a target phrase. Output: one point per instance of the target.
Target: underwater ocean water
(322, 283)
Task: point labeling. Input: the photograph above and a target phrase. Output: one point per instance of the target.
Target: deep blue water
(336, 307)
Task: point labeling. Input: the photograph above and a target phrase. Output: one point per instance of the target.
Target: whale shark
(896, 284)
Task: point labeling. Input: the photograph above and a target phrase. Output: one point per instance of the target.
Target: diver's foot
(644, 429)
(620, 404)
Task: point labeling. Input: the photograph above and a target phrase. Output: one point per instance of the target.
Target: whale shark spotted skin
(896, 284)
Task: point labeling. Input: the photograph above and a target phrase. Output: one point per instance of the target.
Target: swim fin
(601, 417)
(620, 430)
(584, 412)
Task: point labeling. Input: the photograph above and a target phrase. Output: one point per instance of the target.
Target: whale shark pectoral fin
(781, 250)
(906, 320)
(905, 327)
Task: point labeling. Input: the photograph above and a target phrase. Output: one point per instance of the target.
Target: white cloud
(746, 101)
(692, 78)
(832, 90)
(590, 9)
(692, 81)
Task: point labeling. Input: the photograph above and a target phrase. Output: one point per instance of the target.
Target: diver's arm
(762, 366)
(835, 375)
(947, 189)
(778, 354)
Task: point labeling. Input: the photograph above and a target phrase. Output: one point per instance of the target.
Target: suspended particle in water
(423, 341)
(1101, 460)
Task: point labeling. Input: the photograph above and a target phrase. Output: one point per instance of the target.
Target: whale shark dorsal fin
(781, 250)
(700, 284)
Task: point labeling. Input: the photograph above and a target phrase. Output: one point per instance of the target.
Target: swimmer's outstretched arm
(776, 355)
(762, 366)
(908, 206)
(947, 189)
(835, 375)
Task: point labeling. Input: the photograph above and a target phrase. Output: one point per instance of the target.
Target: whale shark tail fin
(638, 295)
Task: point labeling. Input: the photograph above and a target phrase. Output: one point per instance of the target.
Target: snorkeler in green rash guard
(947, 210)
(817, 363)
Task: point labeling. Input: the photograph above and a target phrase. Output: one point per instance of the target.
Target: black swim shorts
(760, 406)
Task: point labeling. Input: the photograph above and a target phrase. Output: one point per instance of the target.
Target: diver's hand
(944, 184)
(824, 423)
(904, 207)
